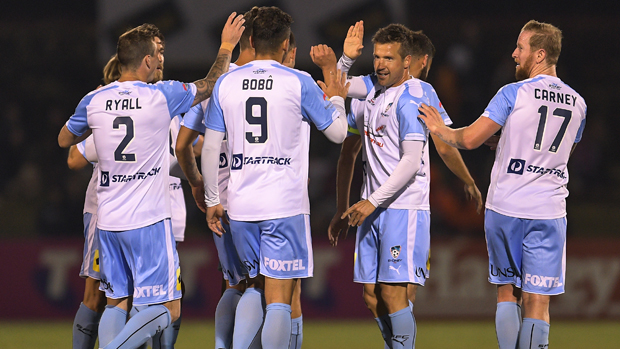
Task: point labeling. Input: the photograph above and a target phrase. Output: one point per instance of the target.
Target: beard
(523, 70)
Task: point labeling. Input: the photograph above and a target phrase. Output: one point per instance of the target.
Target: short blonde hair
(112, 70)
(547, 37)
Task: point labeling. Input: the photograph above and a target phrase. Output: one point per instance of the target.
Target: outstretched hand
(232, 30)
(338, 85)
(214, 213)
(198, 192)
(353, 43)
(337, 226)
(473, 193)
(358, 212)
(324, 57)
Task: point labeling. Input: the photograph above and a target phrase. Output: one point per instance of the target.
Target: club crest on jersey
(395, 250)
(223, 160)
(516, 166)
(237, 162)
(105, 179)
(385, 114)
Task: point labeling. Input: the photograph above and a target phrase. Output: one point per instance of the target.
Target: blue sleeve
(369, 81)
(502, 104)
(215, 117)
(580, 131)
(180, 96)
(315, 106)
(409, 125)
(194, 119)
(78, 123)
(435, 102)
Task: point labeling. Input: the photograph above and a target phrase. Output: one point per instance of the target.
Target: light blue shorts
(90, 257)
(528, 253)
(277, 248)
(230, 263)
(393, 246)
(141, 262)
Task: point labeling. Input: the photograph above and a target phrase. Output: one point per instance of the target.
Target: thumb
(321, 85)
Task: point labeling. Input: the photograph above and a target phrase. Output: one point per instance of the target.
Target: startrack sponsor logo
(542, 281)
(148, 291)
(223, 160)
(547, 171)
(105, 179)
(136, 176)
(175, 186)
(284, 265)
(239, 161)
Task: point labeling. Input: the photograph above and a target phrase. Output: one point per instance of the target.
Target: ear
(285, 45)
(407, 61)
(424, 61)
(541, 55)
(146, 61)
(252, 42)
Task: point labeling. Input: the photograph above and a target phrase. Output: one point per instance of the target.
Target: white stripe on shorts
(309, 245)
(172, 278)
(412, 231)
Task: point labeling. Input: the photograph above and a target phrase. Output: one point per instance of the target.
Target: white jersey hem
(132, 226)
(523, 215)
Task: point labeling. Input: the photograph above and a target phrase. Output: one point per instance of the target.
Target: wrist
(373, 200)
(227, 46)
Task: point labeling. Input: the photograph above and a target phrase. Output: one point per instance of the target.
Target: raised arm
(187, 161)
(230, 37)
(452, 158)
(470, 137)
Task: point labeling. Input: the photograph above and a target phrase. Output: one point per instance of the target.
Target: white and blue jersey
(90, 255)
(541, 119)
(194, 120)
(386, 118)
(130, 122)
(266, 109)
(177, 199)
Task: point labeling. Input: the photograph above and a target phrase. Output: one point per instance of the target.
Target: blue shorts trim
(528, 253)
(232, 269)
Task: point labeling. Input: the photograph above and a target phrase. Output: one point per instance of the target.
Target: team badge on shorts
(395, 250)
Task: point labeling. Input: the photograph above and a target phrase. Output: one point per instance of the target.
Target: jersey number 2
(256, 114)
(559, 112)
(129, 133)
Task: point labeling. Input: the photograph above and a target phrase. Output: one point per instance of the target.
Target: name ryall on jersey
(518, 166)
(238, 161)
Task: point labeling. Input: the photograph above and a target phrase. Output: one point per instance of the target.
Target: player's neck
(274, 56)
(131, 76)
(544, 70)
(245, 56)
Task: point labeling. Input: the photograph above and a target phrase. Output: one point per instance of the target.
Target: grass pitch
(339, 334)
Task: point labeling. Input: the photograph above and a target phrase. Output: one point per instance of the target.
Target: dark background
(50, 59)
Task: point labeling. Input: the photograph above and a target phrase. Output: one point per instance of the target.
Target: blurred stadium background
(54, 52)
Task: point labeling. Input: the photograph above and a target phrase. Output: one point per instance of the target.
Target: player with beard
(422, 52)
(542, 120)
(130, 120)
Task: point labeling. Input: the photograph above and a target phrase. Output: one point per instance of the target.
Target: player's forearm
(406, 169)
(204, 87)
(344, 177)
(187, 162)
(66, 138)
(337, 131)
(453, 160)
(210, 165)
(453, 137)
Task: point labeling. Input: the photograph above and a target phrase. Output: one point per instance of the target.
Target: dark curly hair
(270, 28)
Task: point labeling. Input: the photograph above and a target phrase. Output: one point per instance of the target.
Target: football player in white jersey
(265, 111)
(86, 322)
(422, 55)
(542, 119)
(130, 121)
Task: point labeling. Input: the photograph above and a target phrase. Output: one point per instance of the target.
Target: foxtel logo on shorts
(542, 281)
(284, 265)
(148, 291)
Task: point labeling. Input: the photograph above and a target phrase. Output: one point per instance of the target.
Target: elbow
(63, 143)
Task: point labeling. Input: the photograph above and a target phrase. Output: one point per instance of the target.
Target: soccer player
(265, 111)
(422, 55)
(393, 240)
(86, 322)
(130, 121)
(542, 119)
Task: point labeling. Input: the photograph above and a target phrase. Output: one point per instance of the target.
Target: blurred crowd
(49, 63)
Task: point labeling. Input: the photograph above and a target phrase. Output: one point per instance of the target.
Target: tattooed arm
(230, 37)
